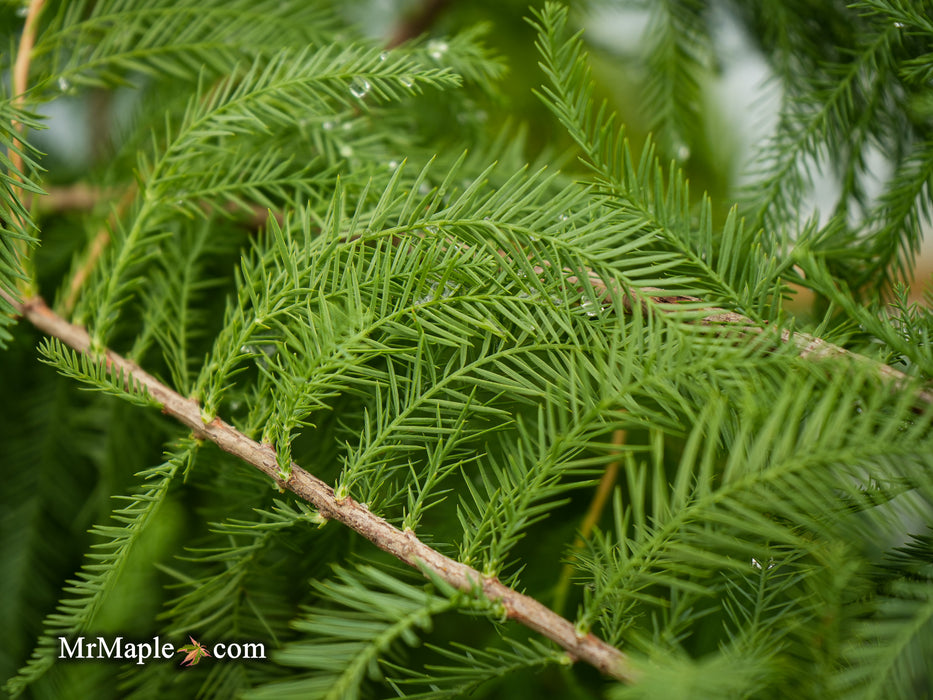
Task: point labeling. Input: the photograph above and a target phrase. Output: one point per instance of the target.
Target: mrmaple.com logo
(140, 653)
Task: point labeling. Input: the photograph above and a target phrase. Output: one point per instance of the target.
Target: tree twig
(402, 544)
(21, 73)
(88, 197)
(20, 82)
(809, 347)
(82, 197)
(76, 197)
(593, 514)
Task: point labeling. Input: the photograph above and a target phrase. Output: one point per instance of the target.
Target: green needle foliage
(351, 254)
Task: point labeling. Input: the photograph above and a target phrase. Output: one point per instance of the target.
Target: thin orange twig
(21, 73)
(593, 514)
(95, 250)
(20, 83)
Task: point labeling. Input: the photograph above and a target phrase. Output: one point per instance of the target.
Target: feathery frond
(734, 266)
(344, 266)
(85, 595)
(363, 618)
(111, 43)
(95, 373)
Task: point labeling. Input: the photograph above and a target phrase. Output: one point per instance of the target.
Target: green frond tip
(463, 670)
(112, 43)
(96, 373)
(889, 657)
(733, 262)
(336, 660)
(86, 595)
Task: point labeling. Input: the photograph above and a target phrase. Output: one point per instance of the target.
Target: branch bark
(809, 347)
(404, 545)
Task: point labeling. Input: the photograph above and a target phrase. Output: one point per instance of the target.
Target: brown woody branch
(77, 197)
(809, 347)
(402, 544)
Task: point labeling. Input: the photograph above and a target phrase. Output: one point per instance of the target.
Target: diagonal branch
(808, 346)
(402, 544)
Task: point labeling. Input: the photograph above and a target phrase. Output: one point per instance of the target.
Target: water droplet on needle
(360, 87)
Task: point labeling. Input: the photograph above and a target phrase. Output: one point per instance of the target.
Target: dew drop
(383, 56)
(22, 11)
(590, 307)
(346, 126)
(437, 49)
(327, 126)
(393, 164)
(899, 25)
(407, 81)
(360, 87)
(346, 151)
(682, 152)
(63, 84)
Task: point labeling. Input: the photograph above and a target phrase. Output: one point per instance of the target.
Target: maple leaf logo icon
(194, 652)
